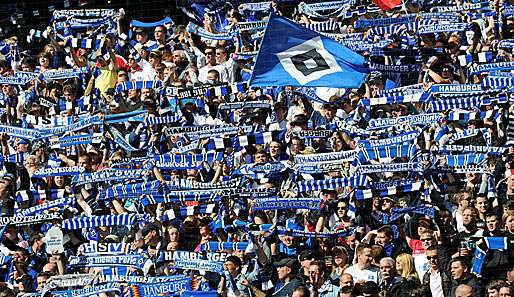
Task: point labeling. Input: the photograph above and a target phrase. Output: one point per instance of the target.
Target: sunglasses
(432, 258)
(427, 239)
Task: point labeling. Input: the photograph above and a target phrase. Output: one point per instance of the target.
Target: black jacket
(445, 280)
(471, 281)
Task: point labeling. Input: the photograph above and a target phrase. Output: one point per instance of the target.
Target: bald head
(464, 291)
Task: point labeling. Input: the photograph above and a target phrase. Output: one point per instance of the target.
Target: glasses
(209, 53)
(342, 207)
(432, 258)
(426, 239)
(158, 31)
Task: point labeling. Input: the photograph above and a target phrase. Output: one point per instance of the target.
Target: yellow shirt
(107, 78)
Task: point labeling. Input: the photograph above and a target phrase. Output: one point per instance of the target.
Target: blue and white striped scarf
(439, 28)
(473, 149)
(223, 246)
(273, 203)
(397, 213)
(186, 211)
(130, 190)
(368, 23)
(84, 42)
(63, 142)
(390, 167)
(107, 220)
(192, 28)
(399, 139)
(413, 120)
(392, 183)
(108, 175)
(393, 99)
(64, 73)
(323, 26)
(319, 167)
(397, 151)
(136, 261)
(59, 203)
(37, 195)
(332, 184)
(492, 67)
(387, 192)
(59, 171)
(138, 85)
(89, 291)
(465, 159)
(300, 233)
(184, 184)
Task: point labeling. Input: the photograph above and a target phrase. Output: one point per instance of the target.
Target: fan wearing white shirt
(363, 270)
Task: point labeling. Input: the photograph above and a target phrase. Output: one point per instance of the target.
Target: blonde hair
(408, 269)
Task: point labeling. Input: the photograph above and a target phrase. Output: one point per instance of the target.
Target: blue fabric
(304, 58)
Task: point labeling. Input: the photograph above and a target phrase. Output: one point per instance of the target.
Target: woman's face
(340, 260)
(174, 234)
(509, 224)
(399, 265)
(50, 50)
(44, 61)
(59, 181)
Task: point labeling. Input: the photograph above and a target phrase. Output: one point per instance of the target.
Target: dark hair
(462, 261)
(235, 260)
(387, 230)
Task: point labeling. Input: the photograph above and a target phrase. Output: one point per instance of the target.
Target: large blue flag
(291, 55)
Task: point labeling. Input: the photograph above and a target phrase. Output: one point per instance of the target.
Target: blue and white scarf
(465, 159)
(39, 195)
(136, 261)
(62, 142)
(90, 291)
(108, 175)
(439, 28)
(325, 157)
(192, 28)
(319, 167)
(273, 203)
(300, 233)
(492, 67)
(399, 139)
(59, 171)
(107, 220)
(102, 248)
(223, 246)
(64, 73)
(397, 151)
(59, 203)
(138, 85)
(387, 192)
(412, 120)
(332, 184)
(391, 167)
(392, 183)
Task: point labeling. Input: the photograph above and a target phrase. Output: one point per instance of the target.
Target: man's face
(433, 259)
(210, 56)
(382, 239)
(386, 269)
(482, 204)
(150, 236)
(145, 93)
(342, 209)
(41, 282)
(505, 292)
(274, 149)
(283, 272)
(221, 56)
(330, 113)
(492, 223)
(427, 241)
(229, 266)
(315, 274)
(83, 162)
(365, 257)
(141, 37)
(468, 217)
(260, 158)
(159, 33)
(346, 280)
(457, 270)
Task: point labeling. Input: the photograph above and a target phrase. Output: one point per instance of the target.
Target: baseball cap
(288, 262)
(307, 255)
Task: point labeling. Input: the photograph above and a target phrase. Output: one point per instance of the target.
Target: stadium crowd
(139, 160)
